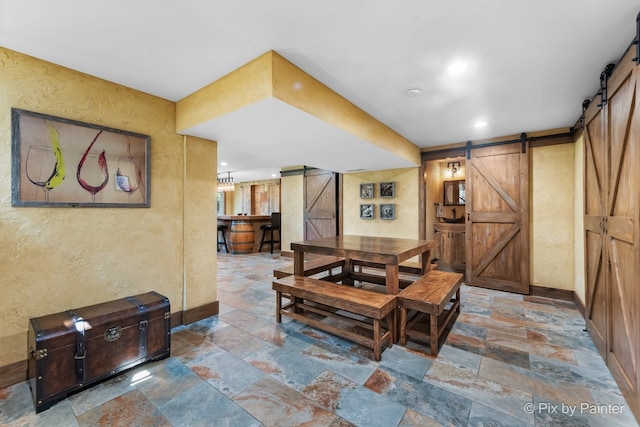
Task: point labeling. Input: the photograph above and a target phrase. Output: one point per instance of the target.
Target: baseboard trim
(201, 312)
(13, 373)
(17, 372)
(581, 308)
(559, 294)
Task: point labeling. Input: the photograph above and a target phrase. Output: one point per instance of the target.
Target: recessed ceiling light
(480, 124)
(223, 164)
(412, 92)
(457, 67)
(273, 175)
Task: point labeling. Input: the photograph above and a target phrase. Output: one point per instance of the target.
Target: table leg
(403, 325)
(392, 279)
(348, 267)
(298, 263)
(426, 261)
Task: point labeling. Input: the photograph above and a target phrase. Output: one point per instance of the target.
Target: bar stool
(274, 226)
(223, 229)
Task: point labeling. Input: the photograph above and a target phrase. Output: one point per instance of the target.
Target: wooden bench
(313, 296)
(429, 296)
(313, 266)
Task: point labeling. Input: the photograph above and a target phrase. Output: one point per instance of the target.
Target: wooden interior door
(320, 204)
(594, 206)
(621, 230)
(497, 228)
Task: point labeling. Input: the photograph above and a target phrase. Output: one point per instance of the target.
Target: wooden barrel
(242, 236)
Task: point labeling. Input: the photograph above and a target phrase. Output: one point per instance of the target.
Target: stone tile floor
(510, 360)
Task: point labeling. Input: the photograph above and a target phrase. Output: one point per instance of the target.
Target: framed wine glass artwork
(59, 162)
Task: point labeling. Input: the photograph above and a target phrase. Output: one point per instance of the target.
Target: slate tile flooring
(510, 360)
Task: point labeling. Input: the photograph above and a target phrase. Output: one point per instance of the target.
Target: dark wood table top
(386, 250)
(244, 217)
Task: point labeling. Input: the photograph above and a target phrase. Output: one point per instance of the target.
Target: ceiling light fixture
(223, 163)
(412, 92)
(480, 124)
(226, 184)
(457, 67)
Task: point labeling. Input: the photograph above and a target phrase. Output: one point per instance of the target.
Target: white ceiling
(530, 64)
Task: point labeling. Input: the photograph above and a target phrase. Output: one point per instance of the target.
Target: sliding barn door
(320, 204)
(498, 218)
(621, 239)
(612, 210)
(594, 205)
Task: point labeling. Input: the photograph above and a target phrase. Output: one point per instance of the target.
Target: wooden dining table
(386, 251)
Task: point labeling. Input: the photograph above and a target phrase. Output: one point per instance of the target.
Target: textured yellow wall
(579, 272)
(199, 222)
(406, 200)
(552, 216)
(54, 259)
(292, 202)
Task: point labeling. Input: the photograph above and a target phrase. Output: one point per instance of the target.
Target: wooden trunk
(76, 348)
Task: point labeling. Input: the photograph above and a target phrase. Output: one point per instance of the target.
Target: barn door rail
(636, 41)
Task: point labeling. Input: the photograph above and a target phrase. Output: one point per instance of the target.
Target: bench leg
(376, 340)
(392, 326)
(403, 326)
(433, 324)
(278, 306)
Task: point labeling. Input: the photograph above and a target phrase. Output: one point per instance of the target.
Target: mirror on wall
(454, 193)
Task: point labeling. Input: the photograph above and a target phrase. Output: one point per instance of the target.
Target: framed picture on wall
(388, 211)
(387, 189)
(58, 162)
(367, 211)
(366, 191)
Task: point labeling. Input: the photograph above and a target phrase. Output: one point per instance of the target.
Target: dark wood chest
(73, 349)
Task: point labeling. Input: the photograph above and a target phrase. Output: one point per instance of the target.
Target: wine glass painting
(111, 166)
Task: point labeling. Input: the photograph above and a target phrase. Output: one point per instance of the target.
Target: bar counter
(243, 231)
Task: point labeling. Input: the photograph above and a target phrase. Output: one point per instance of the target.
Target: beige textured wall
(406, 200)
(54, 259)
(292, 203)
(578, 191)
(553, 216)
(200, 252)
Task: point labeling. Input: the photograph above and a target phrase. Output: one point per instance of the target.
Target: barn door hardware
(523, 139)
(585, 105)
(604, 79)
(636, 41)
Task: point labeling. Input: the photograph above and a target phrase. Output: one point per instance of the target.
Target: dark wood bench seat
(435, 295)
(310, 297)
(313, 266)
